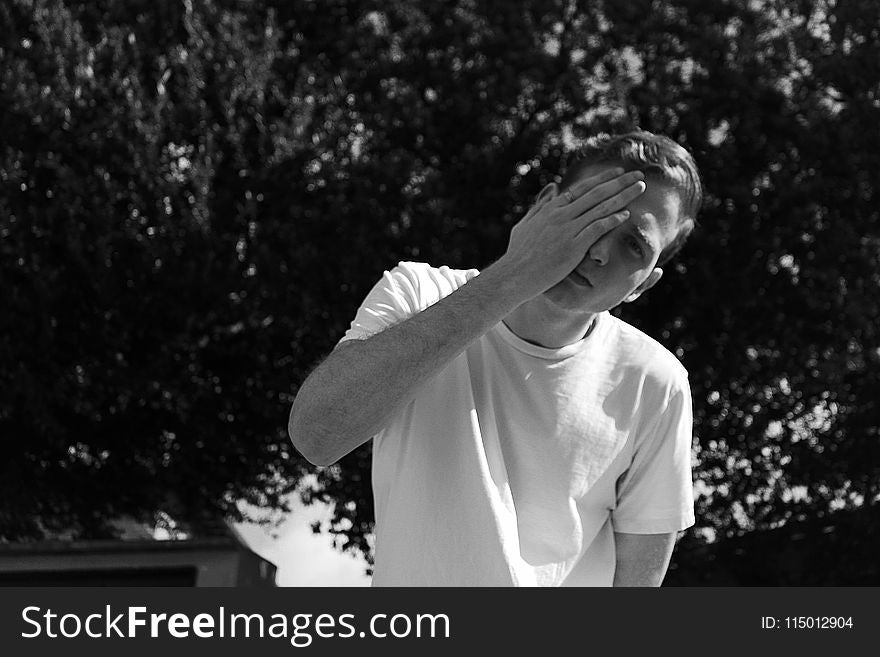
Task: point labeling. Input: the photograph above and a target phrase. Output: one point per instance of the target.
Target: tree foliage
(197, 196)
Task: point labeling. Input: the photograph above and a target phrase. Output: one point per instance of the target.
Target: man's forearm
(642, 559)
(351, 395)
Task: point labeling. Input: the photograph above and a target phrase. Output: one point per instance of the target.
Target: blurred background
(195, 195)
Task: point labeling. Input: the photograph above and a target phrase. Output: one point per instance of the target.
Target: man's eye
(636, 247)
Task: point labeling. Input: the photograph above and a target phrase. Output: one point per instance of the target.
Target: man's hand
(555, 235)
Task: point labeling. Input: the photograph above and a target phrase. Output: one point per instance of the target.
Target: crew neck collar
(593, 336)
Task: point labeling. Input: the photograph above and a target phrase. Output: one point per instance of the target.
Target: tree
(198, 195)
(142, 368)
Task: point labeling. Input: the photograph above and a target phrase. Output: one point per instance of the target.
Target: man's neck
(541, 322)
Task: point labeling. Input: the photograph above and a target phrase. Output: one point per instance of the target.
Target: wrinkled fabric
(515, 465)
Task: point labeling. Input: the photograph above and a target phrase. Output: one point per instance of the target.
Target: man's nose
(599, 251)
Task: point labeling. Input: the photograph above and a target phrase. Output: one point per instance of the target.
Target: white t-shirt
(515, 465)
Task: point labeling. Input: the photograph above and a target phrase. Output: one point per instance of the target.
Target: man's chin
(568, 295)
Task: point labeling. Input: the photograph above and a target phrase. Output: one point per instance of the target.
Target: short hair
(657, 156)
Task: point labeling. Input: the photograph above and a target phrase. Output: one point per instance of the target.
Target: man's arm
(642, 559)
(351, 395)
(354, 392)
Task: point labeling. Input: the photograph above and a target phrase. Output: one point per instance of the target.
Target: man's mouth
(580, 280)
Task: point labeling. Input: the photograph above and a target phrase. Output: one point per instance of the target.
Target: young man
(522, 435)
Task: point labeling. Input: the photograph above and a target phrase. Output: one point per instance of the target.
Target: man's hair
(658, 157)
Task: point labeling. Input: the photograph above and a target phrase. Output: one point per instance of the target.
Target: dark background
(195, 197)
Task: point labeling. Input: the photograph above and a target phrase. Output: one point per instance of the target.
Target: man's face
(622, 263)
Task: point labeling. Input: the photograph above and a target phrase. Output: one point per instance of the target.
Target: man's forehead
(598, 167)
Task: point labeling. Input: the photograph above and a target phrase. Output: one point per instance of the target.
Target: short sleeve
(405, 290)
(656, 493)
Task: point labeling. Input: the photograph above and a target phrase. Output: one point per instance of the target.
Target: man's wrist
(507, 284)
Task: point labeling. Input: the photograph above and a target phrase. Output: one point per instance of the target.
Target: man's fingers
(616, 202)
(608, 190)
(580, 187)
(594, 189)
(596, 229)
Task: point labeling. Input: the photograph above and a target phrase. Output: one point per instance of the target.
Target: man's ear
(646, 285)
(550, 191)
(547, 194)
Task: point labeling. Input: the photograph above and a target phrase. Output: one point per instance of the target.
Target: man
(522, 435)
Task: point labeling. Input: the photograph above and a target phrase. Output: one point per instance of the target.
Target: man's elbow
(321, 435)
(325, 425)
(309, 438)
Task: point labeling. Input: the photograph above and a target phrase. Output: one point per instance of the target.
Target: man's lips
(580, 279)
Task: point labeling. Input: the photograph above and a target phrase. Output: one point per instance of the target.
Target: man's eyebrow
(642, 236)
